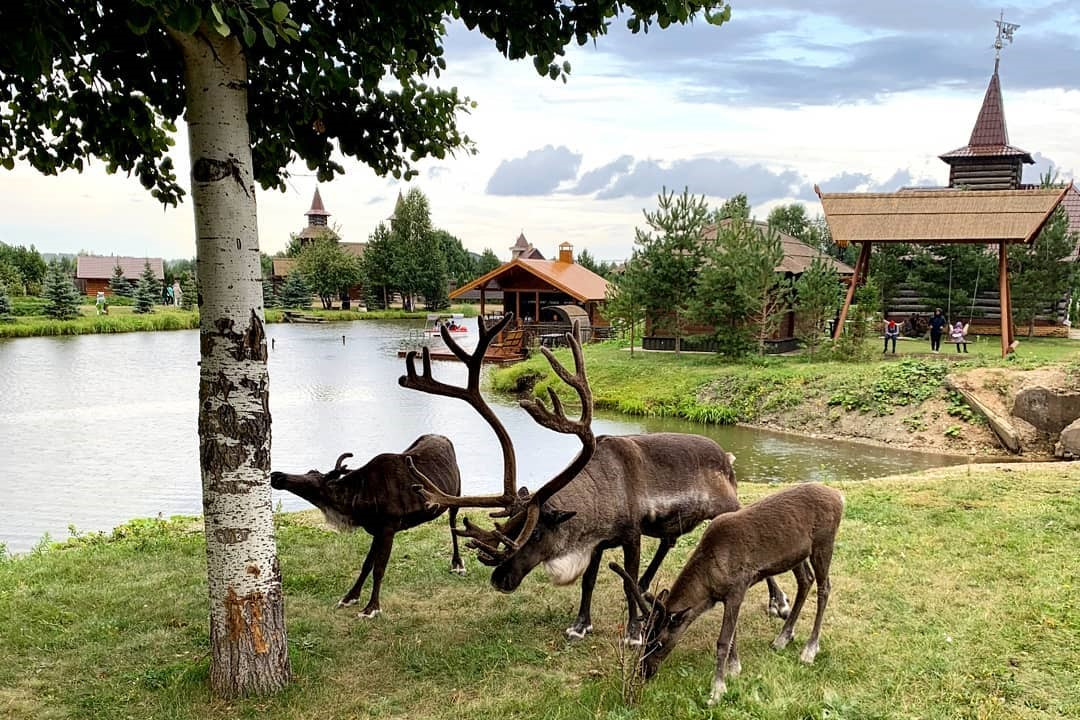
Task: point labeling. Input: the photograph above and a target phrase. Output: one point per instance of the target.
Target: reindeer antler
(470, 394)
(342, 458)
(522, 508)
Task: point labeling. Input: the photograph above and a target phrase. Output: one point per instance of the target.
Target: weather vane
(1005, 31)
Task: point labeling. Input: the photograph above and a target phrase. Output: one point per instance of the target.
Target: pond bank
(121, 319)
(899, 403)
(948, 600)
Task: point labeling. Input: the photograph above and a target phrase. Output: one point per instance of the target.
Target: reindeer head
(663, 628)
(529, 518)
(323, 490)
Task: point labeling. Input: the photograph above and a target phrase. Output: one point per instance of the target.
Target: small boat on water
(454, 322)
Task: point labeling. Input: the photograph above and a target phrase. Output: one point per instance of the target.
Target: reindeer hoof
(717, 694)
(458, 569)
(345, 602)
(368, 614)
(734, 667)
(781, 641)
(809, 653)
(578, 632)
(779, 609)
(633, 640)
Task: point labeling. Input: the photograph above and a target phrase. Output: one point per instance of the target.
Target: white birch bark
(247, 628)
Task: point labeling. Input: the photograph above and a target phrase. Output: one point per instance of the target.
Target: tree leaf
(249, 36)
(140, 21)
(186, 19)
(217, 13)
(269, 37)
(279, 11)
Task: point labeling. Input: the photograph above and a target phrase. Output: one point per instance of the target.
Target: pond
(99, 429)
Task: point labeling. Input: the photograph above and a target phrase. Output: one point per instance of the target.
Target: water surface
(98, 429)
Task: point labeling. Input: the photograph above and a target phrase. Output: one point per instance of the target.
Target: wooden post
(536, 308)
(1003, 298)
(482, 303)
(517, 307)
(862, 265)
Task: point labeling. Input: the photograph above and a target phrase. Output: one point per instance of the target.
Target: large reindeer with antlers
(614, 491)
(379, 498)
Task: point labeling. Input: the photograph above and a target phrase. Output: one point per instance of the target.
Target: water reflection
(99, 429)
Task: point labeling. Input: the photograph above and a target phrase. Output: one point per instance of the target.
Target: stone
(1068, 445)
(1050, 410)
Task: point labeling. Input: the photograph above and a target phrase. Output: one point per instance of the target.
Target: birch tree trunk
(247, 627)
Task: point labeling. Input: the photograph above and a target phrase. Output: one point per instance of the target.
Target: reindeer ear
(678, 618)
(661, 599)
(558, 517)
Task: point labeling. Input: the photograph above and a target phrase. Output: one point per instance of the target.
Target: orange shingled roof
(575, 280)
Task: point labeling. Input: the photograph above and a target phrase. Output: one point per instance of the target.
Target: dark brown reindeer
(613, 492)
(379, 497)
(793, 529)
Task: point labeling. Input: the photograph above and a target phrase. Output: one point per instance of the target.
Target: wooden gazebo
(539, 290)
(936, 217)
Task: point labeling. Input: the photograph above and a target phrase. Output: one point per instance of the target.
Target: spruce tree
(817, 295)
(61, 293)
(270, 297)
(5, 304)
(295, 294)
(147, 291)
(189, 289)
(118, 283)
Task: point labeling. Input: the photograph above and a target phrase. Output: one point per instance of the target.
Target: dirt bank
(940, 424)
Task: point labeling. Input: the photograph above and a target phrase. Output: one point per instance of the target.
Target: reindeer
(379, 498)
(793, 529)
(614, 491)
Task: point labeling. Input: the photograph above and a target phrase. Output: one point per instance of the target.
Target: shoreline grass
(953, 597)
(706, 388)
(122, 319)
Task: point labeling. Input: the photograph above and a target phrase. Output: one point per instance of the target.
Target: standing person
(178, 294)
(937, 326)
(99, 301)
(892, 331)
(957, 336)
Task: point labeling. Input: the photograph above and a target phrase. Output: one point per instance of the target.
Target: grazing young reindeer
(793, 529)
(617, 489)
(379, 498)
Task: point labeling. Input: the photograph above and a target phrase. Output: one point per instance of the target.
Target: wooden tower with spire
(317, 220)
(988, 161)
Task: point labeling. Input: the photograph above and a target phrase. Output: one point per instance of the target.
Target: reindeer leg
(456, 566)
(724, 643)
(734, 667)
(583, 624)
(632, 563)
(353, 595)
(820, 559)
(804, 579)
(381, 548)
(778, 602)
(666, 544)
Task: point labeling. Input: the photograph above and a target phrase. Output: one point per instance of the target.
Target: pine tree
(1042, 271)
(270, 298)
(817, 295)
(5, 304)
(118, 283)
(147, 291)
(60, 291)
(189, 289)
(295, 294)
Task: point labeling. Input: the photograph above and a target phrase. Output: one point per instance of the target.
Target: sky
(853, 95)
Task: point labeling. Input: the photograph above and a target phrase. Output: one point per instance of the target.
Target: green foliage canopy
(328, 269)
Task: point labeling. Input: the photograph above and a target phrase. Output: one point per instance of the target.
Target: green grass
(707, 388)
(123, 319)
(954, 596)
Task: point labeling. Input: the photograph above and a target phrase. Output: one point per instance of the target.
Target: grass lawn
(954, 596)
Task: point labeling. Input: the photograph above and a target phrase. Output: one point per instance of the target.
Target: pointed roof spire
(317, 206)
(398, 206)
(990, 136)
